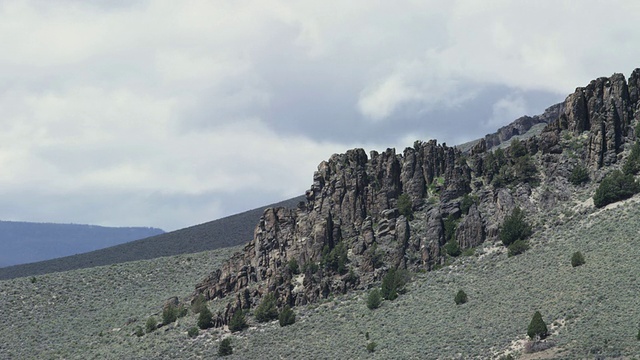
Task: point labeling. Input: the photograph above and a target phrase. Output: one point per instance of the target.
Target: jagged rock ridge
(353, 201)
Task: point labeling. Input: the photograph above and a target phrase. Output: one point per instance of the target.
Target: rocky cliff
(352, 209)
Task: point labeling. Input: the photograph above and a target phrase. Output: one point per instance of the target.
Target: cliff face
(606, 108)
(353, 202)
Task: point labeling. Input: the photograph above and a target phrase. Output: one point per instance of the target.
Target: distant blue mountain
(26, 242)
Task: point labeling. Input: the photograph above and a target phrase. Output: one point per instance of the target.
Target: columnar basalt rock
(353, 202)
(470, 232)
(606, 107)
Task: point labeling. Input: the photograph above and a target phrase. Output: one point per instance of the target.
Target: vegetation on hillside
(500, 285)
(515, 167)
(267, 310)
(615, 187)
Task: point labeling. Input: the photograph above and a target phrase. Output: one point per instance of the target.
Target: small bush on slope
(374, 299)
(579, 175)
(238, 321)
(514, 228)
(225, 348)
(205, 318)
(393, 283)
(632, 165)
(371, 347)
(615, 187)
(169, 314)
(267, 310)
(139, 332)
(198, 304)
(537, 328)
(293, 266)
(452, 248)
(151, 324)
(577, 259)
(193, 332)
(518, 247)
(335, 259)
(287, 316)
(405, 206)
(461, 298)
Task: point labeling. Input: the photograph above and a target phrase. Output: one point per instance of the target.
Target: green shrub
(293, 267)
(335, 259)
(225, 348)
(205, 318)
(449, 224)
(469, 252)
(267, 310)
(139, 332)
(405, 207)
(615, 187)
(33, 279)
(452, 248)
(537, 328)
(198, 304)
(169, 314)
(393, 283)
(371, 347)
(182, 311)
(310, 267)
(579, 175)
(374, 299)
(461, 298)
(517, 247)
(632, 165)
(193, 331)
(466, 202)
(525, 171)
(638, 336)
(238, 321)
(514, 228)
(517, 148)
(287, 316)
(151, 324)
(577, 259)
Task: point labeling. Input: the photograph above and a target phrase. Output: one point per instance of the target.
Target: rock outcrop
(521, 125)
(606, 109)
(352, 203)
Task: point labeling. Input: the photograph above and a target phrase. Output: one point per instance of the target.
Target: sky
(174, 113)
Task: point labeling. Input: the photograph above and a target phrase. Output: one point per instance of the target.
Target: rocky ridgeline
(354, 202)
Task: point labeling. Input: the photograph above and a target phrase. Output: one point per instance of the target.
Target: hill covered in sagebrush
(501, 223)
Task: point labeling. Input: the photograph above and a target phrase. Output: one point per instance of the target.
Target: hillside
(27, 242)
(441, 216)
(83, 313)
(229, 231)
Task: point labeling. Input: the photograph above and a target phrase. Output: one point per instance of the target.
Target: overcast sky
(174, 113)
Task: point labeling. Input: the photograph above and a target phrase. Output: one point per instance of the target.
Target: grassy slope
(82, 314)
(597, 302)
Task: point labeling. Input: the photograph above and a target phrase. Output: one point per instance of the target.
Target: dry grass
(593, 310)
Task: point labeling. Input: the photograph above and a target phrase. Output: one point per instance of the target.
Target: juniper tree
(537, 327)
(267, 310)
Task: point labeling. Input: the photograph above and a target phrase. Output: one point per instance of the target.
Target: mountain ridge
(354, 200)
(228, 231)
(27, 242)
